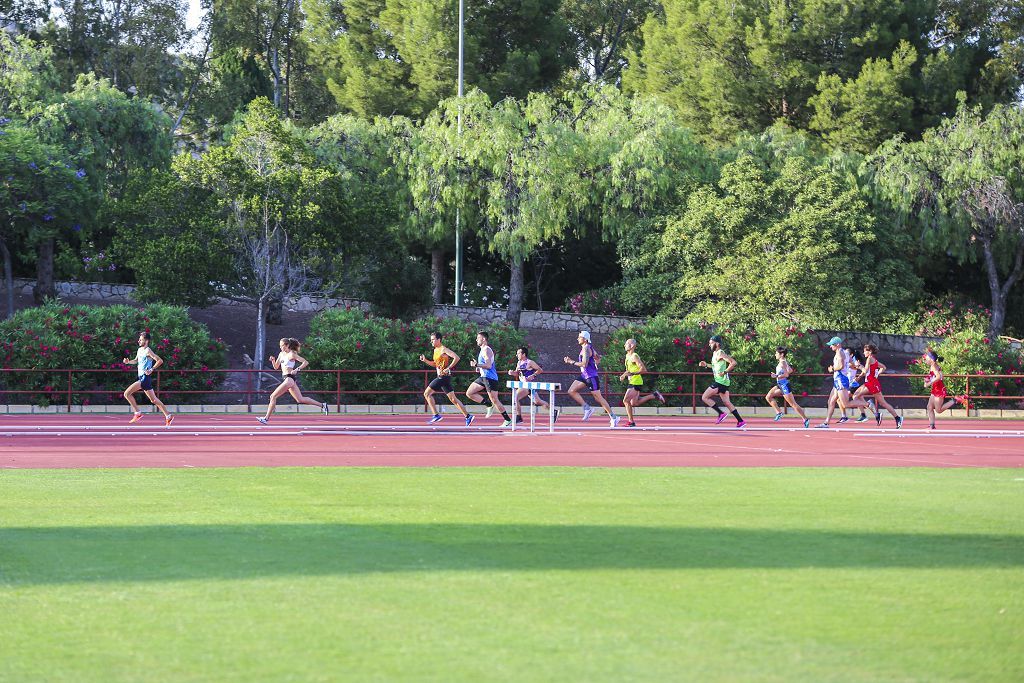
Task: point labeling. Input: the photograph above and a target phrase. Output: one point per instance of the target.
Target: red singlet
(871, 378)
(937, 387)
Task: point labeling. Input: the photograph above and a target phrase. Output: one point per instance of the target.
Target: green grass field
(511, 574)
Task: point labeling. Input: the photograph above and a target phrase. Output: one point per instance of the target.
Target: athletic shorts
(642, 388)
(294, 378)
(854, 384)
(442, 384)
(720, 388)
(487, 383)
(594, 383)
(840, 382)
(873, 387)
(147, 382)
(783, 385)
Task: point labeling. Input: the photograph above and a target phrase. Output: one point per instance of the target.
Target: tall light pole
(458, 228)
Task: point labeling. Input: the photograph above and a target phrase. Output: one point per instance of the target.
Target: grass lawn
(512, 574)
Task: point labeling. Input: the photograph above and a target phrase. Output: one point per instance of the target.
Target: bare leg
(496, 401)
(458, 404)
(931, 410)
(129, 395)
(299, 398)
(574, 392)
(628, 401)
(280, 391)
(882, 403)
(428, 396)
(602, 402)
(832, 398)
(791, 400)
(475, 393)
(151, 395)
(772, 394)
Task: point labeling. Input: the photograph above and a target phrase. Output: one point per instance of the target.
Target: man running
(147, 362)
(527, 370)
(721, 365)
(444, 360)
(634, 377)
(840, 381)
(589, 379)
(484, 388)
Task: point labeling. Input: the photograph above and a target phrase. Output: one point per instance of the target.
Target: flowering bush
(973, 353)
(672, 345)
(602, 301)
(941, 318)
(55, 336)
(353, 340)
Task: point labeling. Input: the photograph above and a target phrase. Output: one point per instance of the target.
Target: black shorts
(146, 382)
(593, 383)
(720, 388)
(642, 388)
(294, 378)
(487, 383)
(442, 384)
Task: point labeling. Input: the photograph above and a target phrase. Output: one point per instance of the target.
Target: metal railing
(686, 386)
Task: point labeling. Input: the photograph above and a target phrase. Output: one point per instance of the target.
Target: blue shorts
(841, 382)
(147, 382)
(783, 385)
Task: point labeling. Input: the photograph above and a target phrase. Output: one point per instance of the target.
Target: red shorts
(873, 386)
(939, 389)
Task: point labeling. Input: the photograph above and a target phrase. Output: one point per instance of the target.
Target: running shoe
(436, 417)
(862, 418)
(519, 419)
(741, 423)
(135, 418)
(823, 425)
(843, 420)
(659, 396)
(720, 418)
(325, 409)
(587, 412)
(613, 421)
(168, 420)
(962, 399)
(778, 416)
(506, 423)
(871, 404)
(556, 415)
(878, 418)
(262, 420)
(807, 424)
(931, 426)
(899, 422)
(490, 411)
(631, 424)
(469, 419)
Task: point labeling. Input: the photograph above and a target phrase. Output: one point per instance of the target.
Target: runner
(782, 373)
(634, 375)
(290, 363)
(721, 365)
(840, 382)
(937, 399)
(147, 362)
(484, 388)
(527, 370)
(444, 360)
(854, 373)
(873, 387)
(589, 379)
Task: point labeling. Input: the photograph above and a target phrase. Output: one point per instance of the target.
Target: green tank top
(718, 369)
(633, 366)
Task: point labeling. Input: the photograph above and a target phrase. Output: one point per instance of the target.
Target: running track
(75, 441)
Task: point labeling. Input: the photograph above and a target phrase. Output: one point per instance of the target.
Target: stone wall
(537, 320)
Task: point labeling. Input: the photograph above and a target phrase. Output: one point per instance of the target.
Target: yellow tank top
(441, 359)
(632, 365)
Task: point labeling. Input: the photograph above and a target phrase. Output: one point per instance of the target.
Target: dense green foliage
(353, 340)
(972, 352)
(54, 336)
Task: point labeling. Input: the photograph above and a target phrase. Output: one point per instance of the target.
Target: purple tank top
(590, 369)
(524, 370)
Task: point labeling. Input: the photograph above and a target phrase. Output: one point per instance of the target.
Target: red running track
(70, 441)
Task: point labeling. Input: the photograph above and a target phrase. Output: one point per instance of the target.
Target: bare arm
(157, 360)
(730, 360)
(455, 359)
(303, 363)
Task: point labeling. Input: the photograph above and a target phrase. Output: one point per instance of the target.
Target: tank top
(441, 359)
(287, 364)
(633, 365)
(144, 361)
(491, 372)
(718, 370)
(590, 369)
(524, 370)
(780, 369)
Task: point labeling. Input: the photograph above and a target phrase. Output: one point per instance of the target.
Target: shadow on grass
(155, 553)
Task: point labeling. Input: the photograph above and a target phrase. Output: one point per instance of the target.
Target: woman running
(872, 387)
(527, 370)
(147, 362)
(721, 365)
(939, 400)
(634, 376)
(290, 363)
(782, 373)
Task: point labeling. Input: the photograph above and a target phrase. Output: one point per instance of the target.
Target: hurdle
(550, 387)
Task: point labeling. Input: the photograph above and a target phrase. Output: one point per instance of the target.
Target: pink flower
(86, 337)
(359, 345)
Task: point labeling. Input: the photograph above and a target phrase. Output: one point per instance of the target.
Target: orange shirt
(441, 359)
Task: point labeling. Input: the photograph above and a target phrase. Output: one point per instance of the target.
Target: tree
(268, 189)
(962, 183)
(604, 33)
(727, 66)
(784, 235)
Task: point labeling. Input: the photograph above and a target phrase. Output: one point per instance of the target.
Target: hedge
(55, 336)
(353, 340)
